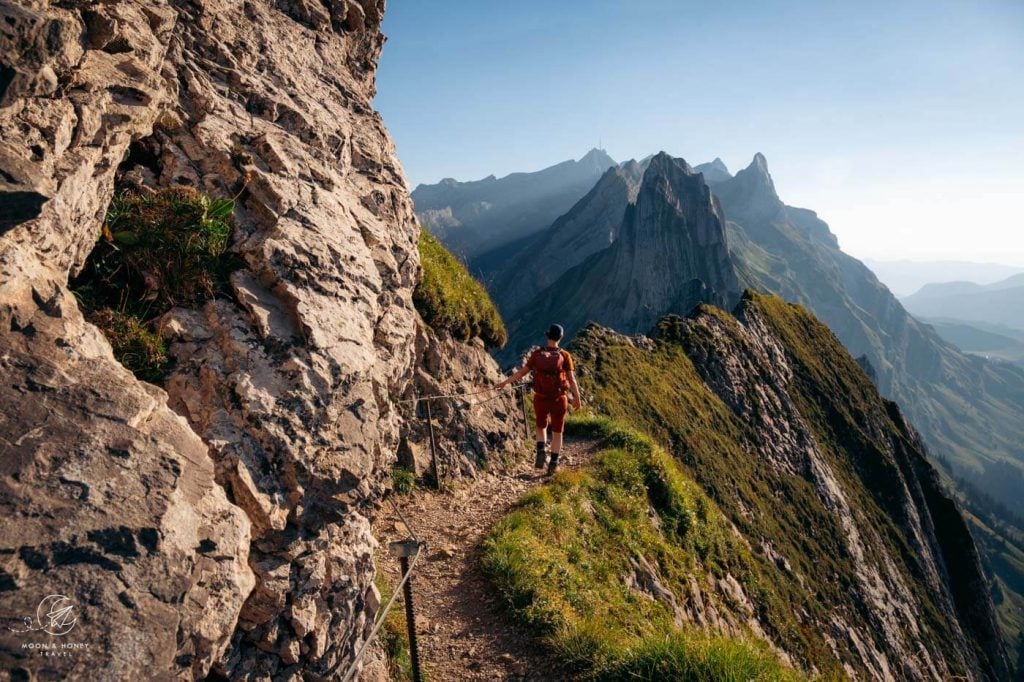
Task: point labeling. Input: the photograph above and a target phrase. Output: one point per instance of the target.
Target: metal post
(433, 448)
(522, 403)
(406, 549)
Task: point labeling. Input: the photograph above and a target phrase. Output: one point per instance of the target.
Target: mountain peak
(714, 171)
(597, 157)
(757, 177)
(664, 162)
(718, 164)
(759, 167)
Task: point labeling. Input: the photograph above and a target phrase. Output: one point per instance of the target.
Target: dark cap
(555, 332)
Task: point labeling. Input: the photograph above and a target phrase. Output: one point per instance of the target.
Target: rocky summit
(670, 253)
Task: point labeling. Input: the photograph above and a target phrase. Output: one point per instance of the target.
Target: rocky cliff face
(826, 482)
(220, 526)
(591, 225)
(671, 252)
(473, 430)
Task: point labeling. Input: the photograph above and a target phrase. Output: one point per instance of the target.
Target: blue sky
(900, 123)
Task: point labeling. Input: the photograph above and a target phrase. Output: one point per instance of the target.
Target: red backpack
(549, 372)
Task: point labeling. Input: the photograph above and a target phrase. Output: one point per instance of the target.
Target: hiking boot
(542, 454)
(553, 464)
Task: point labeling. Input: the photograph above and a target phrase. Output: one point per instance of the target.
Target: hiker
(554, 376)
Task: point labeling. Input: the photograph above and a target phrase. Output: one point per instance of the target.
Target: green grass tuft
(135, 345)
(403, 481)
(450, 299)
(155, 251)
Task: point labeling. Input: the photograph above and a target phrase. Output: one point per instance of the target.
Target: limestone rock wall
(112, 498)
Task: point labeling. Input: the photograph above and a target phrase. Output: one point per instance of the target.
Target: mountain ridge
(629, 282)
(464, 214)
(813, 429)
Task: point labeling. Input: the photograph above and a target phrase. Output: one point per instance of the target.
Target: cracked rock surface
(223, 525)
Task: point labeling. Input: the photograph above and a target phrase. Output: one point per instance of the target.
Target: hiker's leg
(541, 409)
(556, 442)
(558, 412)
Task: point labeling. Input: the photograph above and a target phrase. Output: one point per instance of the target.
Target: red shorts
(550, 406)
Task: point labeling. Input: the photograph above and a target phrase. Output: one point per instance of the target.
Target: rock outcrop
(671, 253)
(237, 542)
(475, 429)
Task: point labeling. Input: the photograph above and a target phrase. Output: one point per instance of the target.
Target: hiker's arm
(519, 374)
(575, 389)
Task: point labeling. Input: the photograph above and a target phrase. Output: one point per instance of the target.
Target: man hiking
(554, 377)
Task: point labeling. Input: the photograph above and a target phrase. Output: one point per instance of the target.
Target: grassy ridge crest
(563, 561)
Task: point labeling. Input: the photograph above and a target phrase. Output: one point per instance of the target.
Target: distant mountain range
(659, 236)
(998, 303)
(990, 341)
(904, 277)
(473, 217)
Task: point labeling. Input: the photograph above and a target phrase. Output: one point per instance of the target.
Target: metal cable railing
(382, 616)
(410, 550)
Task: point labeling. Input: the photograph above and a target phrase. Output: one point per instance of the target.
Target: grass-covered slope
(606, 563)
(449, 299)
(852, 558)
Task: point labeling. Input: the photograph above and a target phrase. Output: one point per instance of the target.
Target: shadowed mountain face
(989, 341)
(1000, 303)
(471, 218)
(591, 225)
(670, 254)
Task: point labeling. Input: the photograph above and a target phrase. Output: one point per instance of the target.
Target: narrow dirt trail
(463, 631)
